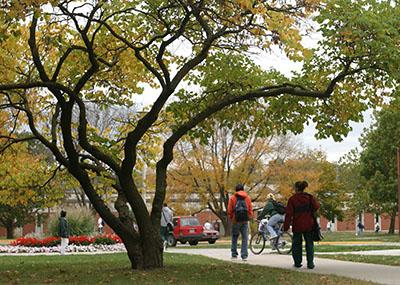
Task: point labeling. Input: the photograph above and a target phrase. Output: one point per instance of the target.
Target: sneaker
(311, 266)
(244, 259)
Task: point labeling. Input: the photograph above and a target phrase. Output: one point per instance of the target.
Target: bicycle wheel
(257, 243)
(284, 243)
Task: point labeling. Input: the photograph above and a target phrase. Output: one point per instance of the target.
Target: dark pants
(297, 251)
(164, 233)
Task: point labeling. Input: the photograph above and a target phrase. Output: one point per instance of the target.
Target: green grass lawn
(366, 236)
(375, 259)
(179, 269)
(343, 248)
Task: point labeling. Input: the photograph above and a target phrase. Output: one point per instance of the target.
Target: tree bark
(227, 223)
(392, 223)
(145, 253)
(10, 230)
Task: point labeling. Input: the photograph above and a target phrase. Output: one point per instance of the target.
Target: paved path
(381, 274)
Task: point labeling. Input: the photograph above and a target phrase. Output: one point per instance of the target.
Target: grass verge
(375, 259)
(366, 236)
(179, 269)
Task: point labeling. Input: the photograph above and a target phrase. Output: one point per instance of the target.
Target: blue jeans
(273, 221)
(243, 229)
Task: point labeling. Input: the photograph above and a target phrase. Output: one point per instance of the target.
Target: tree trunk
(10, 230)
(227, 223)
(392, 223)
(146, 254)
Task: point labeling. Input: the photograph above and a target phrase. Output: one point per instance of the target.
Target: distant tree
(27, 185)
(320, 174)
(209, 171)
(354, 184)
(378, 160)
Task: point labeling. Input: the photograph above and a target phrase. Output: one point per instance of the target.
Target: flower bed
(118, 247)
(73, 240)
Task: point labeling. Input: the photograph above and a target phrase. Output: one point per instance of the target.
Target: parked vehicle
(210, 235)
(186, 229)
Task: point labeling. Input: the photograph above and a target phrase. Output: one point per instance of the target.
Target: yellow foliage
(21, 177)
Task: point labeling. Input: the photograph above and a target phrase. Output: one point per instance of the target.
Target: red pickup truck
(186, 229)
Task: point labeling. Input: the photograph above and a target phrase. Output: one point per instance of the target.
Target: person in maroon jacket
(299, 213)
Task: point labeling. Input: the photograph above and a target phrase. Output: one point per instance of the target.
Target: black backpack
(241, 213)
(279, 207)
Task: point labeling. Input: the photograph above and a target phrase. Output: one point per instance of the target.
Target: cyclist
(275, 217)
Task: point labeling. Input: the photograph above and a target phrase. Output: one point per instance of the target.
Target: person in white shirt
(166, 219)
(100, 225)
(208, 226)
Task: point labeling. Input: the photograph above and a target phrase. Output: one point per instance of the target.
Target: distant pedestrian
(240, 211)
(360, 228)
(377, 227)
(329, 227)
(216, 225)
(299, 213)
(100, 225)
(166, 224)
(63, 231)
(208, 226)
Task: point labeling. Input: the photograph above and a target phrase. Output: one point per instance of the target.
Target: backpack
(241, 213)
(279, 207)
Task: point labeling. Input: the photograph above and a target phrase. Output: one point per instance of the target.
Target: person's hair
(300, 186)
(63, 214)
(239, 187)
(165, 205)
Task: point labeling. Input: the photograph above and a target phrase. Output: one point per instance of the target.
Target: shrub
(104, 240)
(81, 221)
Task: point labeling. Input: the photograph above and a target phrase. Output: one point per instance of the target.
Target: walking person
(299, 213)
(360, 228)
(216, 225)
(166, 223)
(377, 227)
(100, 225)
(63, 231)
(240, 211)
(329, 227)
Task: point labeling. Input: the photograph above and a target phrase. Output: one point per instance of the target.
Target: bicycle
(282, 244)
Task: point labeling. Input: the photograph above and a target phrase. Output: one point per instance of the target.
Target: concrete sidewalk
(381, 274)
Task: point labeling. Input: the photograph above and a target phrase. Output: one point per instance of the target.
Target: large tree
(56, 56)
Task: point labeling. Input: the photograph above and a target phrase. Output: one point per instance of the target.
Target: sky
(335, 150)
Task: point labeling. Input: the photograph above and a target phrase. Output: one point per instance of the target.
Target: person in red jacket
(299, 213)
(240, 212)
